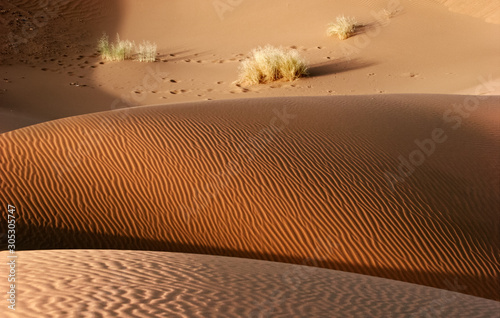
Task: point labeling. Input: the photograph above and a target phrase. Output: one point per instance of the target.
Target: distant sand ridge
(299, 180)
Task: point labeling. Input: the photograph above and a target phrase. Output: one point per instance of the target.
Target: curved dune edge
(487, 10)
(110, 283)
(299, 180)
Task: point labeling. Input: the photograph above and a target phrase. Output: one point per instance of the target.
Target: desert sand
(92, 283)
(424, 48)
(283, 179)
(380, 170)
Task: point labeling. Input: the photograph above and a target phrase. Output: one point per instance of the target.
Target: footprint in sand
(410, 74)
(178, 91)
(241, 90)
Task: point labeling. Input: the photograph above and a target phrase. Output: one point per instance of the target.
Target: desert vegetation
(146, 52)
(270, 64)
(343, 27)
(126, 50)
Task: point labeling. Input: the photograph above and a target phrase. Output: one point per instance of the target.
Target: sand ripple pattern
(105, 283)
(297, 180)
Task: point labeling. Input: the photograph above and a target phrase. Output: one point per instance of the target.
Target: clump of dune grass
(146, 52)
(270, 64)
(118, 51)
(344, 27)
(125, 50)
(104, 47)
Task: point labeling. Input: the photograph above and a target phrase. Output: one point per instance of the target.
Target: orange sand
(276, 179)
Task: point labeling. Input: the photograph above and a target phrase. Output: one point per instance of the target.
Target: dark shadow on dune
(381, 20)
(62, 46)
(338, 66)
(46, 237)
(363, 28)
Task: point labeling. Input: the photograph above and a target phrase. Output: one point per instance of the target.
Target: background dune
(301, 180)
(423, 48)
(103, 283)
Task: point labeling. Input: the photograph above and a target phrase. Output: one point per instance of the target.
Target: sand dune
(200, 47)
(104, 283)
(404, 187)
(300, 180)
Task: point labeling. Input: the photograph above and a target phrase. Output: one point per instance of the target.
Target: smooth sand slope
(423, 48)
(489, 10)
(104, 283)
(300, 180)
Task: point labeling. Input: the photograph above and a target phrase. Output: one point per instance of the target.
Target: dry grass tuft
(125, 50)
(344, 27)
(118, 51)
(270, 64)
(146, 52)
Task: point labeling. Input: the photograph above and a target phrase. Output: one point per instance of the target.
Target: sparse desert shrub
(270, 64)
(118, 51)
(104, 47)
(124, 50)
(344, 27)
(146, 52)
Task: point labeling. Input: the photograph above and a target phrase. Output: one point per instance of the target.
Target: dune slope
(303, 180)
(103, 283)
(201, 44)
